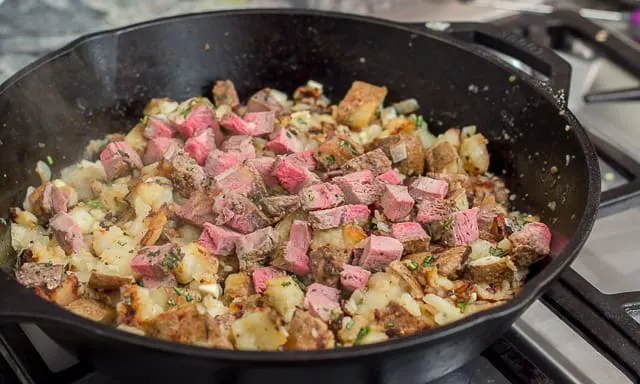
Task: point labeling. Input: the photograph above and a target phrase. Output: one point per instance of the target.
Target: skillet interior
(100, 86)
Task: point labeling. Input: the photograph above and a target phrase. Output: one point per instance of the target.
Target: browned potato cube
(107, 282)
(336, 151)
(358, 108)
(92, 310)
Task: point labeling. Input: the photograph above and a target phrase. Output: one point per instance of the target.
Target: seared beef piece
(442, 158)
(261, 276)
(67, 232)
(252, 249)
(405, 151)
(412, 236)
(353, 277)
(326, 264)
(322, 301)
(185, 324)
(480, 187)
(428, 188)
(197, 210)
(34, 275)
(238, 212)
(396, 202)
(156, 261)
(278, 206)
(450, 262)
(460, 228)
(187, 176)
(292, 174)
(400, 269)
(224, 93)
(397, 321)
(47, 200)
(243, 179)
(264, 101)
(380, 251)
(502, 227)
(307, 332)
(218, 240)
(375, 160)
(321, 196)
(491, 270)
(530, 244)
(335, 217)
(118, 159)
(455, 180)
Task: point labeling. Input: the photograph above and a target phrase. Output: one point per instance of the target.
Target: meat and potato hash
(277, 224)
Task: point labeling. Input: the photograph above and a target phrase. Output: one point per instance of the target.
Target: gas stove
(586, 328)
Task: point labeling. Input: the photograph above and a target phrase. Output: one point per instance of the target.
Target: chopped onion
(280, 96)
(387, 115)
(407, 106)
(468, 131)
(43, 171)
(426, 138)
(315, 85)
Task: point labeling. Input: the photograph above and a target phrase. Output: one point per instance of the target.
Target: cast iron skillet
(100, 83)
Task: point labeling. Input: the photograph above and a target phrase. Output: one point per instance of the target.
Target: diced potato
(451, 135)
(352, 235)
(81, 176)
(214, 307)
(258, 331)
(135, 138)
(196, 264)
(459, 198)
(237, 285)
(382, 288)
(475, 155)
(102, 281)
(64, 294)
(24, 218)
(284, 295)
(23, 236)
(479, 249)
(82, 216)
(358, 108)
(48, 254)
(398, 125)
(331, 236)
(284, 226)
(443, 310)
(155, 192)
(160, 106)
(82, 263)
(136, 306)
(115, 249)
(154, 223)
(350, 328)
(189, 233)
(113, 196)
(104, 239)
(373, 337)
(92, 310)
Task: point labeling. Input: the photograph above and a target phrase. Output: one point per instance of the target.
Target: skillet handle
(542, 59)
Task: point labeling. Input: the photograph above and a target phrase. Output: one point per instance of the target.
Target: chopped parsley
(171, 260)
(171, 302)
(140, 283)
(339, 344)
(255, 198)
(426, 262)
(177, 291)
(122, 243)
(493, 251)
(285, 283)
(289, 134)
(350, 324)
(412, 265)
(331, 159)
(429, 231)
(95, 204)
(127, 301)
(447, 224)
(186, 112)
(364, 331)
(310, 197)
(462, 305)
(390, 324)
(297, 281)
(419, 122)
(49, 159)
(300, 120)
(154, 253)
(49, 263)
(188, 297)
(349, 146)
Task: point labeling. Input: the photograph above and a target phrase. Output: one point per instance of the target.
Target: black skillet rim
(531, 291)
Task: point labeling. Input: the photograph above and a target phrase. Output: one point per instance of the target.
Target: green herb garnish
(95, 204)
(331, 159)
(349, 146)
(171, 260)
(140, 283)
(188, 297)
(412, 265)
(171, 302)
(364, 331)
(297, 281)
(390, 324)
(350, 324)
(339, 344)
(285, 283)
(186, 112)
(289, 134)
(127, 301)
(122, 243)
(462, 305)
(496, 252)
(49, 159)
(426, 262)
(447, 224)
(49, 264)
(177, 291)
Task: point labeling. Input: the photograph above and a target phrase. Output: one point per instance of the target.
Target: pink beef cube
(219, 161)
(54, 200)
(263, 100)
(358, 187)
(294, 260)
(118, 158)
(306, 158)
(199, 145)
(149, 261)
(426, 187)
(158, 127)
(322, 301)
(218, 240)
(264, 165)
(240, 144)
(396, 202)
(234, 124)
(533, 236)
(292, 175)
(67, 232)
(390, 177)
(261, 276)
(253, 248)
(353, 277)
(199, 117)
(380, 251)
(431, 210)
(159, 282)
(242, 179)
(261, 123)
(238, 212)
(284, 141)
(461, 228)
(197, 210)
(321, 196)
(157, 148)
(412, 236)
(335, 217)
(300, 235)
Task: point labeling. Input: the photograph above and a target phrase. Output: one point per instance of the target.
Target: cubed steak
(119, 159)
(219, 161)
(187, 176)
(277, 207)
(193, 116)
(264, 101)
(284, 141)
(375, 160)
(158, 147)
(241, 178)
(452, 261)
(197, 210)
(336, 217)
(396, 202)
(260, 123)
(48, 200)
(461, 228)
(530, 244)
(238, 212)
(321, 196)
(358, 187)
(224, 93)
(264, 166)
(155, 261)
(241, 144)
(158, 127)
(306, 158)
(292, 259)
(425, 187)
(67, 232)
(326, 264)
(379, 252)
(390, 177)
(455, 180)
(322, 301)
(412, 236)
(252, 249)
(432, 210)
(261, 276)
(40, 275)
(300, 235)
(491, 270)
(200, 144)
(293, 175)
(353, 277)
(218, 240)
